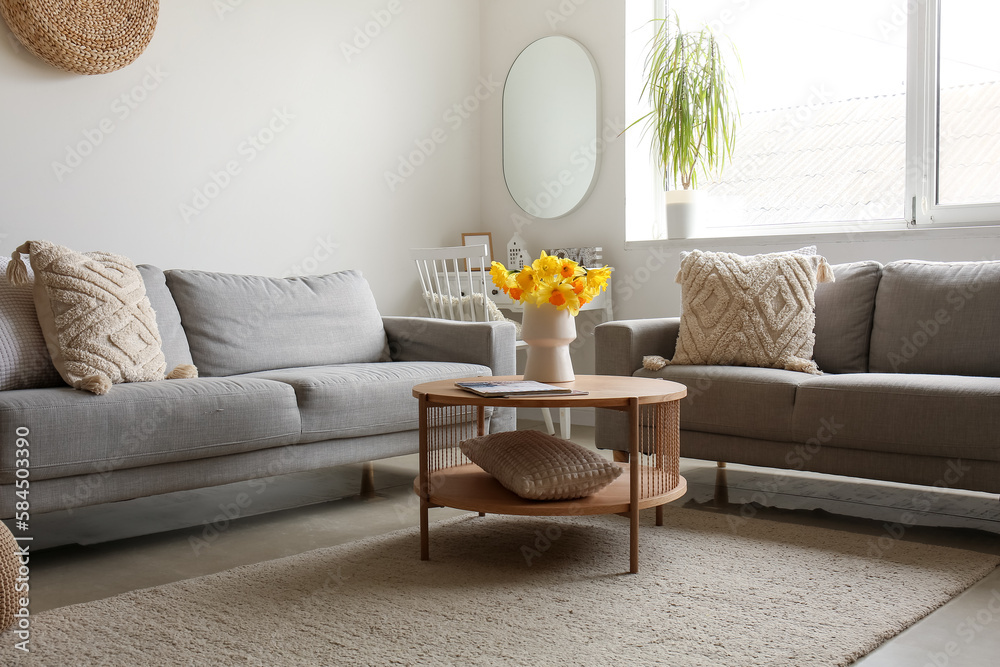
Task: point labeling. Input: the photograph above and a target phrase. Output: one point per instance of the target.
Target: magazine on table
(509, 388)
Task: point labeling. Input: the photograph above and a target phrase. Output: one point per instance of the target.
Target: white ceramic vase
(548, 333)
(683, 212)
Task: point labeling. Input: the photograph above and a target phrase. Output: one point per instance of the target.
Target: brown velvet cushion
(538, 466)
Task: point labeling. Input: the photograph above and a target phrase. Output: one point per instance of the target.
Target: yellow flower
(560, 295)
(546, 265)
(597, 279)
(526, 280)
(499, 275)
(567, 269)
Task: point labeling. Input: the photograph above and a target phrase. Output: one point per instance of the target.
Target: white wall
(341, 124)
(643, 276)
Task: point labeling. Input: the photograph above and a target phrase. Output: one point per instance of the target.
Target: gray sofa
(295, 374)
(910, 391)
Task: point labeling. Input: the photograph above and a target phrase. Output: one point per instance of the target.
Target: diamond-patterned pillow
(753, 310)
(97, 322)
(538, 466)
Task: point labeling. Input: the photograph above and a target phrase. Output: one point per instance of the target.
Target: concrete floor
(98, 552)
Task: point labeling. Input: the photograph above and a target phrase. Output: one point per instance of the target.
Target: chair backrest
(453, 281)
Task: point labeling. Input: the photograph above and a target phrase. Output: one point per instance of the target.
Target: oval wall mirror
(551, 127)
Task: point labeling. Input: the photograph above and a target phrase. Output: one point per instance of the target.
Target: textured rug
(528, 591)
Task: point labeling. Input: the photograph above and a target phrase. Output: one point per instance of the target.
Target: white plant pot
(683, 210)
(548, 333)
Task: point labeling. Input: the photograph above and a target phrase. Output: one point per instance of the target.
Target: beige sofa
(910, 391)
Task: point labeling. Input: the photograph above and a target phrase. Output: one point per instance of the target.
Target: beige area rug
(762, 593)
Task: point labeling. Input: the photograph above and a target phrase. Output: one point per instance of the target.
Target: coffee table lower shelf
(468, 487)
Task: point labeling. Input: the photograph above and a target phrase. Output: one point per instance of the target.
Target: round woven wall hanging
(83, 36)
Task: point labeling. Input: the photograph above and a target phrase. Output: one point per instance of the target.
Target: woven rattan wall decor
(83, 36)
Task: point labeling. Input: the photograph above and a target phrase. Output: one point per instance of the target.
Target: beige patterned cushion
(98, 325)
(24, 359)
(538, 466)
(753, 310)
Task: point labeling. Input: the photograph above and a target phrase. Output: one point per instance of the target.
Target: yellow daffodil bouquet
(560, 282)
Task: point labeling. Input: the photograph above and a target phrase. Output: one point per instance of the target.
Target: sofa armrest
(620, 346)
(427, 339)
(484, 343)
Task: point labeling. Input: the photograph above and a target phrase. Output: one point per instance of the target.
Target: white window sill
(882, 231)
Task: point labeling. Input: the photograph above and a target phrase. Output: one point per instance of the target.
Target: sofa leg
(721, 486)
(620, 456)
(368, 482)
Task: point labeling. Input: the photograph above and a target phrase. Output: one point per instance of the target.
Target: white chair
(456, 284)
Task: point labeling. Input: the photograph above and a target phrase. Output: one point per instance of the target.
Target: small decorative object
(83, 37)
(478, 238)
(517, 253)
(557, 288)
(9, 565)
(585, 256)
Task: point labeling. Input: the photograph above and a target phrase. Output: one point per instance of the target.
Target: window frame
(922, 99)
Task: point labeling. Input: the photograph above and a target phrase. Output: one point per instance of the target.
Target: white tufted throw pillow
(97, 322)
(753, 310)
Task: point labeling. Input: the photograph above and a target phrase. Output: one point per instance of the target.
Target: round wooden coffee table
(449, 415)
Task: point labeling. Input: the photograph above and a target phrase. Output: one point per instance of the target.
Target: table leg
(425, 551)
(659, 515)
(633, 446)
(423, 486)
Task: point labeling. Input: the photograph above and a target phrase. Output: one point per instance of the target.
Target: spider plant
(694, 110)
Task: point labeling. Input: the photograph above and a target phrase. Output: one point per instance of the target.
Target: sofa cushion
(139, 424)
(24, 360)
(351, 400)
(98, 325)
(538, 466)
(844, 312)
(937, 317)
(749, 311)
(947, 416)
(241, 324)
(735, 400)
(168, 320)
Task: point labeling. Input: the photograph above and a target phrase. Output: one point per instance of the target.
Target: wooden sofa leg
(367, 481)
(721, 486)
(620, 456)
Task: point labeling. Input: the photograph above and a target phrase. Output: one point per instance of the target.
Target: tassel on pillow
(183, 372)
(654, 362)
(17, 272)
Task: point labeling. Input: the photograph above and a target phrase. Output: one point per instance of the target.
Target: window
(865, 114)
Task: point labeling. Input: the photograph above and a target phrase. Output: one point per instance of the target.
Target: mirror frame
(598, 116)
